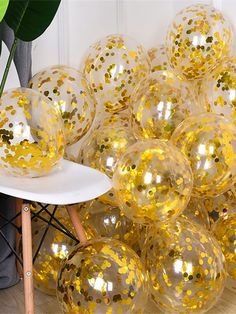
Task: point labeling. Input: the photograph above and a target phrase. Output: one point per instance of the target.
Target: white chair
(71, 183)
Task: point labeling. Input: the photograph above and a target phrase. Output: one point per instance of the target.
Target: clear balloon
(158, 107)
(103, 276)
(186, 267)
(209, 142)
(221, 205)
(114, 118)
(225, 232)
(197, 40)
(196, 212)
(31, 134)
(70, 93)
(108, 141)
(152, 181)
(54, 250)
(108, 221)
(159, 60)
(161, 68)
(114, 66)
(218, 90)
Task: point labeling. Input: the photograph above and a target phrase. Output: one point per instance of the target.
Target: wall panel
(81, 22)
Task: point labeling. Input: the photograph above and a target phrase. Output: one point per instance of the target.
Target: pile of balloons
(162, 126)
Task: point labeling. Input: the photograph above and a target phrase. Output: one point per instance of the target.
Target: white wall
(79, 23)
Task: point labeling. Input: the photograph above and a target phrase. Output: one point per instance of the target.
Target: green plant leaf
(30, 18)
(3, 8)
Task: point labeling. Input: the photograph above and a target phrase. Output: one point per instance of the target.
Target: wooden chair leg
(71, 209)
(27, 259)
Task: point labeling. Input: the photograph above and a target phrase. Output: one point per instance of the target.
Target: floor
(11, 302)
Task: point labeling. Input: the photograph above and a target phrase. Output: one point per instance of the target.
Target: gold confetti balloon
(54, 250)
(158, 107)
(103, 276)
(152, 181)
(196, 212)
(112, 118)
(160, 66)
(108, 141)
(114, 66)
(103, 147)
(209, 142)
(186, 267)
(218, 90)
(108, 221)
(162, 101)
(31, 134)
(225, 232)
(221, 205)
(158, 59)
(69, 91)
(197, 40)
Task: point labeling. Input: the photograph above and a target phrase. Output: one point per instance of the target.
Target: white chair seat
(70, 183)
